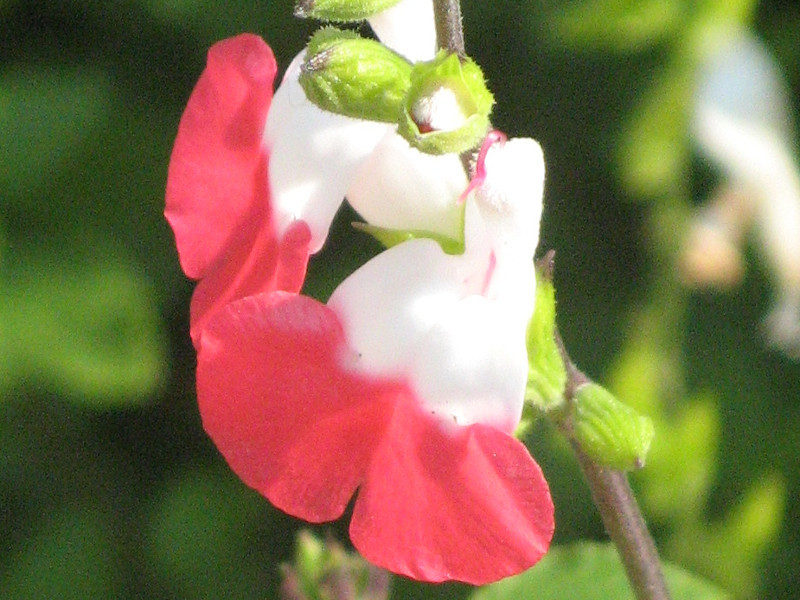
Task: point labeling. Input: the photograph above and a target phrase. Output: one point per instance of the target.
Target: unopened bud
(349, 75)
(448, 105)
(611, 433)
(342, 11)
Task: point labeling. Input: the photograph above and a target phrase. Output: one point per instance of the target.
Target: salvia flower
(742, 122)
(405, 388)
(275, 170)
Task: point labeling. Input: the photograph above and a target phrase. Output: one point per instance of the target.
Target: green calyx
(341, 11)
(392, 237)
(349, 75)
(611, 433)
(547, 375)
(447, 106)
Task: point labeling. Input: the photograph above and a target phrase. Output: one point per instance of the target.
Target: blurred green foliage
(108, 485)
(590, 572)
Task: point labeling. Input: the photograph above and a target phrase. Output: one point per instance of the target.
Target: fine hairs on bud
(341, 11)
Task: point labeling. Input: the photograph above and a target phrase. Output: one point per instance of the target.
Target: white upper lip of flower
(454, 326)
(317, 158)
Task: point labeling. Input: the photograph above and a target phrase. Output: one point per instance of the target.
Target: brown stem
(624, 523)
(449, 32)
(611, 492)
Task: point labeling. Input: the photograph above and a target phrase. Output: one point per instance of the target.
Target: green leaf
(87, 326)
(47, 118)
(547, 375)
(620, 25)
(653, 150)
(589, 571)
(71, 557)
(201, 537)
(349, 75)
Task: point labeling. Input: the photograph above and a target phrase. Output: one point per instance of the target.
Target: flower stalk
(623, 521)
(612, 494)
(449, 31)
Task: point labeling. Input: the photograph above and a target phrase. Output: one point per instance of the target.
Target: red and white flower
(403, 390)
(275, 170)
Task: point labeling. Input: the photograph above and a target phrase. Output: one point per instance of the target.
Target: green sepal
(322, 569)
(349, 75)
(392, 237)
(547, 374)
(611, 433)
(341, 11)
(465, 80)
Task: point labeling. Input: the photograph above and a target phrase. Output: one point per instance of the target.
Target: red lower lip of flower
(468, 504)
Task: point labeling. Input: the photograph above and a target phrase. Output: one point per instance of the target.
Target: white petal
(402, 188)
(394, 299)
(783, 325)
(408, 28)
(741, 79)
(472, 367)
(412, 313)
(510, 197)
(314, 156)
(742, 122)
(454, 327)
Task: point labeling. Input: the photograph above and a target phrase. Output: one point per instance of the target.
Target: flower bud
(342, 11)
(448, 105)
(611, 433)
(349, 75)
(547, 375)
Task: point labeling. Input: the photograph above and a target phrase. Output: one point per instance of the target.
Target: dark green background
(108, 486)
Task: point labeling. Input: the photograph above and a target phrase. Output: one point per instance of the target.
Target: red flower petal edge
(290, 423)
(468, 504)
(435, 503)
(217, 199)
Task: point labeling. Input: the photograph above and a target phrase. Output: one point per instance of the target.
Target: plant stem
(624, 523)
(449, 32)
(613, 496)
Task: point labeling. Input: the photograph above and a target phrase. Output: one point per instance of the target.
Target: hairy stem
(624, 523)
(613, 496)
(449, 32)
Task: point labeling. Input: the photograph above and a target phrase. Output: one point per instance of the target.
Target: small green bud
(611, 433)
(324, 569)
(392, 237)
(448, 105)
(342, 11)
(349, 75)
(547, 374)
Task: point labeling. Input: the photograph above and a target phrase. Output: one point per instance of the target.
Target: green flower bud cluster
(342, 11)
(440, 106)
(609, 432)
(353, 76)
(322, 569)
(447, 106)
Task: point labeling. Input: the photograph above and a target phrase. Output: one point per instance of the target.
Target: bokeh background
(108, 486)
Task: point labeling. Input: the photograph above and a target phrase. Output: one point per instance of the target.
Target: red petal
(468, 504)
(256, 263)
(217, 187)
(289, 421)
